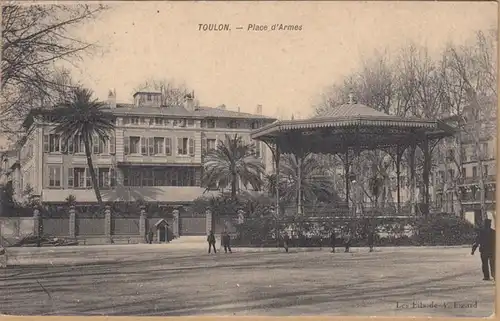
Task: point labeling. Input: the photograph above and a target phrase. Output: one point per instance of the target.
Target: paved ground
(160, 280)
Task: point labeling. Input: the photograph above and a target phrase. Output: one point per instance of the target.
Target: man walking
(211, 242)
(226, 242)
(485, 240)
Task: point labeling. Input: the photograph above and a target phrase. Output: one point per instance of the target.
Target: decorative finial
(351, 98)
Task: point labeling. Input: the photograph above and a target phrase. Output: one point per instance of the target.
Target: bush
(433, 231)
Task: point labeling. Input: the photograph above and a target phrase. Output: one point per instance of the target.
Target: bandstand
(349, 129)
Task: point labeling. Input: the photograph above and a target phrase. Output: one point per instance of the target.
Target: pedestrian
(371, 239)
(286, 241)
(226, 242)
(150, 236)
(211, 242)
(347, 242)
(485, 240)
(333, 240)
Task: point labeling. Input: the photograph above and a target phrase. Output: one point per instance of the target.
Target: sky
(284, 71)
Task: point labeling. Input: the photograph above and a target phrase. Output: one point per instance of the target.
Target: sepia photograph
(248, 158)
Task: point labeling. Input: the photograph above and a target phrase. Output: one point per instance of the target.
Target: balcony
(475, 180)
(160, 160)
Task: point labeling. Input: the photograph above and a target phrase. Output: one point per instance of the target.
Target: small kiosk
(161, 231)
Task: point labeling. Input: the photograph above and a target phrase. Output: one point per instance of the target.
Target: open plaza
(182, 279)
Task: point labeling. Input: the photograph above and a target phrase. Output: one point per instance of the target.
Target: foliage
(33, 38)
(172, 94)
(315, 183)
(231, 162)
(224, 204)
(83, 117)
(71, 200)
(412, 231)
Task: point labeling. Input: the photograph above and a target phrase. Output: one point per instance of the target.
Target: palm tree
(233, 161)
(83, 117)
(315, 182)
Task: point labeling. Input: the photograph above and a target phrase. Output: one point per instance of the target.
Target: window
(257, 150)
(79, 177)
(134, 120)
(132, 145)
(55, 176)
(190, 122)
(71, 177)
(485, 170)
(51, 143)
(158, 121)
(106, 177)
(180, 122)
(254, 125)
(147, 178)
(88, 178)
(210, 123)
(185, 146)
(233, 124)
(484, 148)
(211, 143)
(168, 146)
(159, 143)
(112, 144)
(149, 97)
(144, 145)
(474, 171)
(464, 172)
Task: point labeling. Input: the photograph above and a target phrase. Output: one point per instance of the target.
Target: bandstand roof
(349, 126)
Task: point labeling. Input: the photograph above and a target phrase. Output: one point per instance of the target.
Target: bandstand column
(346, 174)
(299, 183)
(358, 191)
(277, 156)
(412, 177)
(398, 176)
(426, 174)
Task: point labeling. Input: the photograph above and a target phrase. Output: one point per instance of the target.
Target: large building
(155, 153)
(459, 192)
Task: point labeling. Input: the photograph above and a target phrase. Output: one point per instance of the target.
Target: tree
(34, 37)
(83, 118)
(172, 94)
(316, 184)
(233, 161)
(470, 70)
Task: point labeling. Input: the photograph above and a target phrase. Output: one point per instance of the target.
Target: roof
(151, 92)
(180, 111)
(350, 125)
(348, 110)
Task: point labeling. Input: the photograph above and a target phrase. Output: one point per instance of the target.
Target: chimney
(258, 110)
(112, 98)
(223, 107)
(189, 102)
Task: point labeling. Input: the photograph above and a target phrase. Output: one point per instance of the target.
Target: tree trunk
(92, 171)
(234, 187)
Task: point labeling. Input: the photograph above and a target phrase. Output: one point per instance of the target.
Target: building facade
(458, 175)
(155, 153)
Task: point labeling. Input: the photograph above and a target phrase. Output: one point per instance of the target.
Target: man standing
(371, 239)
(226, 242)
(150, 236)
(333, 241)
(211, 242)
(347, 241)
(485, 240)
(286, 240)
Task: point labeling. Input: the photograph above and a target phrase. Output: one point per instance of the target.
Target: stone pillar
(209, 223)
(37, 220)
(107, 223)
(142, 224)
(72, 221)
(175, 223)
